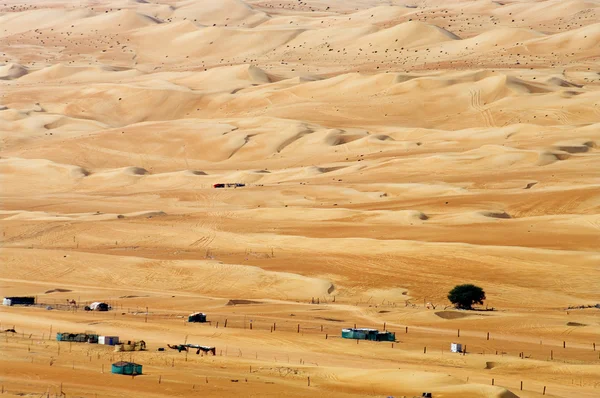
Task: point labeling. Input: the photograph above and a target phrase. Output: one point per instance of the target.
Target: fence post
(458, 333)
(521, 386)
(492, 381)
(544, 393)
(488, 335)
(225, 323)
(298, 328)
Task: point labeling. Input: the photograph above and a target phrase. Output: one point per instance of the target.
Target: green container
(126, 368)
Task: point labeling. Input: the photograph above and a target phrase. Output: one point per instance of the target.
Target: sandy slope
(390, 151)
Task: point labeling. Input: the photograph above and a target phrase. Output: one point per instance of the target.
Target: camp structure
(98, 306)
(108, 340)
(131, 346)
(77, 337)
(229, 185)
(367, 334)
(126, 368)
(10, 301)
(197, 317)
(455, 347)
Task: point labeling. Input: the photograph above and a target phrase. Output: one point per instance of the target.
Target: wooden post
(326, 336)
(594, 344)
(298, 328)
(309, 381)
(465, 350)
(551, 355)
(492, 381)
(217, 325)
(521, 386)
(250, 325)
(544, 392)
(356, 341)
(406, 330)
(458, 333)
(384, 326)
(392, 345)
(159, 379)
(225, 323)
(564, 344)
(488, 335)
(274, 326)
(424, 350)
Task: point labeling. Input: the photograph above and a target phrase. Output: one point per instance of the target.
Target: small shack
(455, 347)
(126, 368)
(367, 334)
(197, 317)
(77, 337)
(10, 301)
(98, 306)
(108, 340)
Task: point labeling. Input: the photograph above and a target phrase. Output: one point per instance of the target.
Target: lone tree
(464, 296)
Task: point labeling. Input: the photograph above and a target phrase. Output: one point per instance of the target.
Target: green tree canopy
(464, 296)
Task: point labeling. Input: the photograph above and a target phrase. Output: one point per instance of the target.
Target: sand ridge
(388, 152)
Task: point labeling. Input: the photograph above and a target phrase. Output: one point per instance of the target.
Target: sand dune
(372, 156)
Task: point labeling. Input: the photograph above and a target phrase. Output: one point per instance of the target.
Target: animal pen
(367, 334)
(77, 337)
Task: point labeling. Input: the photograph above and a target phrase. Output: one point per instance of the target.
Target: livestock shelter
(10, 301)
(126, 368)
(197, 317)
(77, 337)
(368, 334)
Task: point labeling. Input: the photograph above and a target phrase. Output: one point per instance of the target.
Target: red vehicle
(218, 185)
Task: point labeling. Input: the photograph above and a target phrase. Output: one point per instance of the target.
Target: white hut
(108, 340)
(455, 347)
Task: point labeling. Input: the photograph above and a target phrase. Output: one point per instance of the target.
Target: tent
(197, 317)
(126, 368)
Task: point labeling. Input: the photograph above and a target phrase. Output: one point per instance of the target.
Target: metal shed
(126, 368)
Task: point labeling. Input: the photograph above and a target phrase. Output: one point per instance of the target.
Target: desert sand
(390, 150)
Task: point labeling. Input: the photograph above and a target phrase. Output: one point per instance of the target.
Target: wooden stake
(521, 386)
(488, 335)
(406, 330)
(298, 328)
(492, 381)
(309, 381)
(159, 379)
(225, 323)
(424, 350)
(458, 333)
(544, 392)
(564, 344)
